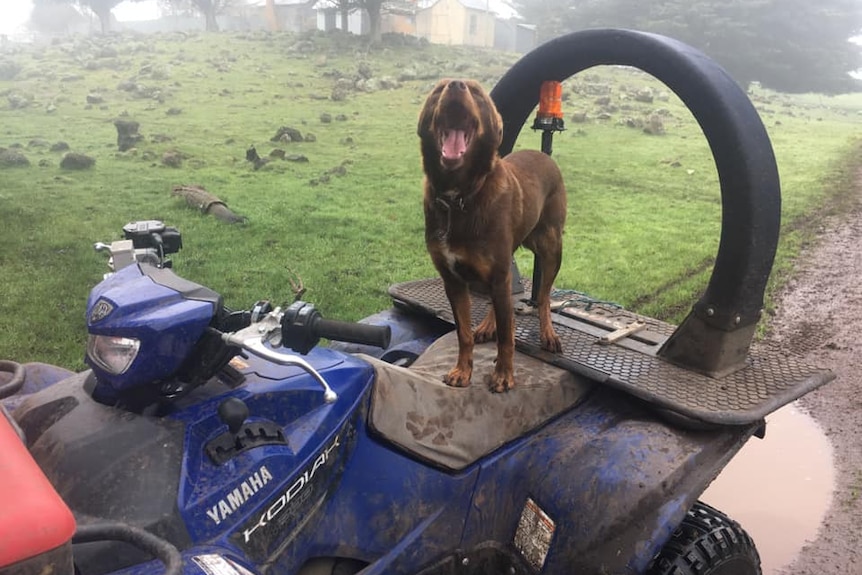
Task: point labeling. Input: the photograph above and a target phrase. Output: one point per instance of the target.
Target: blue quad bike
(206, 441)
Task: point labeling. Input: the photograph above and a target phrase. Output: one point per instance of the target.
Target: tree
(208, 8)
(211, 8)
(788, 45)
(374, 8)
(344, 8)
(54, 18)
(101, 8)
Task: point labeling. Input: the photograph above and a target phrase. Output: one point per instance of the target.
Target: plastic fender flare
(617, 496)
(747, 171)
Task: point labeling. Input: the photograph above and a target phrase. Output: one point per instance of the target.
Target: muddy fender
(599, 490)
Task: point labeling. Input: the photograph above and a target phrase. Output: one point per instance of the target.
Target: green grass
(644, 211)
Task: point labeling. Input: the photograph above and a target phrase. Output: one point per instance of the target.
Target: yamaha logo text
(239, 496)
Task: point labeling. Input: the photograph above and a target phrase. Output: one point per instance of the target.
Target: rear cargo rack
(768, 380)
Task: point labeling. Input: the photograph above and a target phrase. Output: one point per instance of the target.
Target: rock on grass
(172, 159)
(13, 159)
(287, 134)
(76, 161)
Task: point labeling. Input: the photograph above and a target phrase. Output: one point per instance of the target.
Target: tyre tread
(704, 541)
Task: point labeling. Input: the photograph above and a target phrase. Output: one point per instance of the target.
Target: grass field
(644, 211)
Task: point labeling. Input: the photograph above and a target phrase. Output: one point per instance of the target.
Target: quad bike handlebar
(299, 328)
(144, 241)
(302, 326)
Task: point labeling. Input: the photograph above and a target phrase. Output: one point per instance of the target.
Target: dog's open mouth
(456, 124)
(454, 143)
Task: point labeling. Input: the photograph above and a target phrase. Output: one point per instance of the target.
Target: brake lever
(268, 330)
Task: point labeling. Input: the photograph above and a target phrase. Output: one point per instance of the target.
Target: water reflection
(779, 488)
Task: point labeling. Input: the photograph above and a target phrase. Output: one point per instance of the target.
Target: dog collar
(455, 197)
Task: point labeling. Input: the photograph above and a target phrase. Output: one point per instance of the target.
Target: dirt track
(820, 317)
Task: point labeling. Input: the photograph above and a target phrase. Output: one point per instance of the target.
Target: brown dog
(478, 209)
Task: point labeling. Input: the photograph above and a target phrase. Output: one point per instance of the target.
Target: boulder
(172, 159)
(76, 161)
(287, 134)
(655, 126)
(644, 95)
(13, 159)
(127, 134)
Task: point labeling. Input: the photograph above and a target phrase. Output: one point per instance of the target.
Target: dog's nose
(457, 85)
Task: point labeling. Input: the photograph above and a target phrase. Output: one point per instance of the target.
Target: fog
(14, 14)
(758, 41)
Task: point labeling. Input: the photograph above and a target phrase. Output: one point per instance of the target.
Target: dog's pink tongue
(454, 144)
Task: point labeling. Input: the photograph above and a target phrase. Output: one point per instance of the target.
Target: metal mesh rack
(770, 379)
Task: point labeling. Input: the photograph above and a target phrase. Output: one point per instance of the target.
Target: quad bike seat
(453, 427)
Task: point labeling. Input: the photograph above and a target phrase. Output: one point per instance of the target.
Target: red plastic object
(33, 518)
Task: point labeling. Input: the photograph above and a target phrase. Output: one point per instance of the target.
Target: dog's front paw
(551, 342)
(501, 381)
(457, 377)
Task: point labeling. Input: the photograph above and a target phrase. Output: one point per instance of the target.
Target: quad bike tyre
(707, 542)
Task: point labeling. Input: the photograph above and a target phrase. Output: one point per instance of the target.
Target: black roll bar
(716, 335)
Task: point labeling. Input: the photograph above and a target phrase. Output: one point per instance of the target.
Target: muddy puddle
(779, 488)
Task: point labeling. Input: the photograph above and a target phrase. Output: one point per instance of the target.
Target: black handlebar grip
(362, 333)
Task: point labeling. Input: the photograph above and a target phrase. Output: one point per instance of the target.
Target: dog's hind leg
(459, 298)
(547, 245)
(487, 330)
(503, 376)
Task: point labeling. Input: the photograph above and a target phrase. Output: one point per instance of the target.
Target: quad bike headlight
(112, 353)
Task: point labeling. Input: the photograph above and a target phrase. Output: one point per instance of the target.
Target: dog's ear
(491, 124)
(426, 116)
